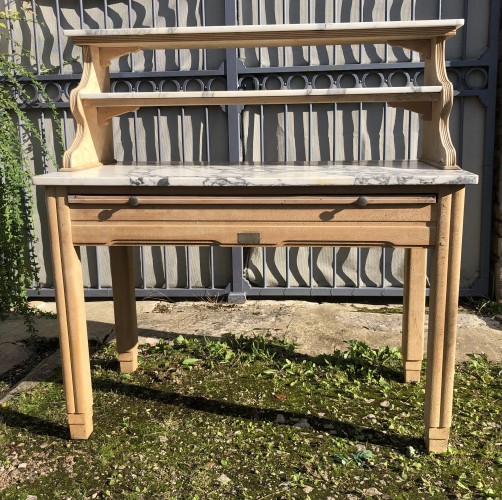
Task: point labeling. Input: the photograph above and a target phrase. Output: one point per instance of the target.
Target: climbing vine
(18, 264)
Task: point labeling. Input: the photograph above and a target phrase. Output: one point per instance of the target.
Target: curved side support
(422, 46)
(423, 108)
(93, 143)
(107, 54)
(437, 146)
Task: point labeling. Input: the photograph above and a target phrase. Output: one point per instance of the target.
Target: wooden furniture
(417, 205)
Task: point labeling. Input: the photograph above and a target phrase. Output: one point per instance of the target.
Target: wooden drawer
(369, 208)
(253, 220)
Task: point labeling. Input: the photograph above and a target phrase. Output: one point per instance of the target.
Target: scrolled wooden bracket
(423, 108)
(93, 143)
(437, 146)
(422, 46)
(106, 114)
(107, 54)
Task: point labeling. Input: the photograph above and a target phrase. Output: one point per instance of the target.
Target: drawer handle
(133, 201)
(362, 201)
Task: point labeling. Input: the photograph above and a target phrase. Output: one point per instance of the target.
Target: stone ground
(317, 328)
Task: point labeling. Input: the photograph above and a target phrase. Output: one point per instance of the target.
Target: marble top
(370, 173)
(385, 25)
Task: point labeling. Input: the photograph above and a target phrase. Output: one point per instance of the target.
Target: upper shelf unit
(277, 35)
(93, 105)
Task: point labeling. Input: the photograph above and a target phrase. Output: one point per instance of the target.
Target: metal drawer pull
(362, 201)
(133, 201)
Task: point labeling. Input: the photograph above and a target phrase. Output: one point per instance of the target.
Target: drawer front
(373, 220)
(327, 209)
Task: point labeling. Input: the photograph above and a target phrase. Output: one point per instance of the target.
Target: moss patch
(241, 418)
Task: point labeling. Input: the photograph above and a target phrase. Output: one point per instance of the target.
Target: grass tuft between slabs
(250, 418)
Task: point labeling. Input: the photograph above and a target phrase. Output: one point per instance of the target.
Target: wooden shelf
(256, 97)
(93, 105)
(277, 35)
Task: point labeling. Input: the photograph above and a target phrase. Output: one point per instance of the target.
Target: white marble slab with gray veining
(390, 173)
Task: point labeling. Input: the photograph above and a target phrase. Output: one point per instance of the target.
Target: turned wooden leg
(124, 305)
(445, 281)
(415, 275)
(71, 316)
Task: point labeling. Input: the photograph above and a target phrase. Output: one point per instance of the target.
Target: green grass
(250, 418)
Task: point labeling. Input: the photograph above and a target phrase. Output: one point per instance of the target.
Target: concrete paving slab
(315, 328)
(12, 355)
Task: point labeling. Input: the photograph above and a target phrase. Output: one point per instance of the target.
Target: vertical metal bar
(284, 20)
(260, 22)
(264, 266)
(35, 38)
(237, 291)
(410, 133)
(310, 20)
(460, 151)
(286, 133)
(288, 277)
(382, 267)
(206, 125)
(335, 112)
(27, 192)
(237, 294)
(464, 31)
(386, 57)
(359, 133)
(143, 268)
(136, 138)
(159, 137)
(60, 43)
(311, 267)
(385, 112)
(203, 18)
(154, 24)
(188, 260)
(166, 269)
(81, 5)
(183, 137)
(129, 22)
(232, 83)
(311, 126)
(335, 19)
(105, 10)
(12, 44)
(334, 267)
(440, 9)
(43, 134)
(98, 265)
(211, 265)
(262, 134)
(65, 128)
(361, 18)
(178, 51)
(358, 284)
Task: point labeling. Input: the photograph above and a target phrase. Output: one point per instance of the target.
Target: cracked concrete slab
(315, 328)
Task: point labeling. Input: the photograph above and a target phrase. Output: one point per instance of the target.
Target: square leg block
(128, 361)
(81, 426)
(436, 439)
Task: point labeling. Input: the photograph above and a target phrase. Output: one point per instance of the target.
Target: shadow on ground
(341, 360)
